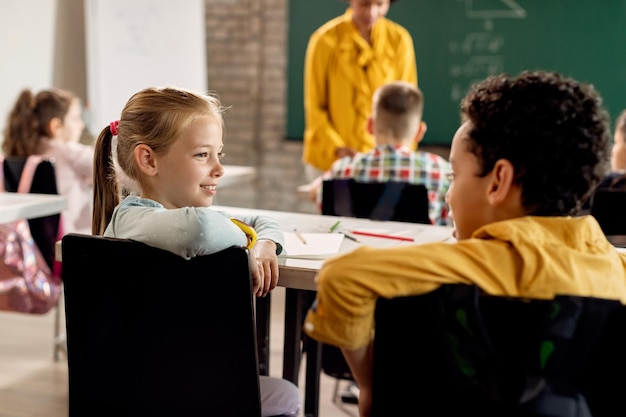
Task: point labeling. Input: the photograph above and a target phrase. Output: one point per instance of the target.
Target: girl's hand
(257, 274)
(263, 255)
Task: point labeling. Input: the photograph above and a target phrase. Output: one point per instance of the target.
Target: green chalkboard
(458, 42)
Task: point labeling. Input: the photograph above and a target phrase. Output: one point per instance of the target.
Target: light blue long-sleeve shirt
(187, 231)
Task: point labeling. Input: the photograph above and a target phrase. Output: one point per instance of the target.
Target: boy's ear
(501, 187)
(370, 125)
(145, 159)
(421, 131)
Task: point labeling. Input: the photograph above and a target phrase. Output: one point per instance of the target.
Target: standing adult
(347, 59)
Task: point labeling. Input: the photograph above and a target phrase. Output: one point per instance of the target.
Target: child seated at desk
(49, 124)
(617, 177)
(168, 146)
(529, 151)
(397, 126)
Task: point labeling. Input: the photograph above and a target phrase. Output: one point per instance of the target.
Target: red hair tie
(113, 126)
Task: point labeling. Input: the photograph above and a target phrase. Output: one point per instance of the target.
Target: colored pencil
(406, 239)
(334, 227)
(351, 237)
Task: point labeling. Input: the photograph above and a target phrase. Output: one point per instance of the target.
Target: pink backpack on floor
(26, 283)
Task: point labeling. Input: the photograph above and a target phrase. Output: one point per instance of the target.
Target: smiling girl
(167, 147)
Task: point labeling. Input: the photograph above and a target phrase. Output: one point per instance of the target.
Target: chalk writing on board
(493, 9)
(479, 54)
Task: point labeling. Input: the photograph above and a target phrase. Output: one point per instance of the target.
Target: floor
(33, 385)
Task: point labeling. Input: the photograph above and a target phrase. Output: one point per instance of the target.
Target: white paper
(318, 245)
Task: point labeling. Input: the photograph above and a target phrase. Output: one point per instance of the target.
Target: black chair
(45, 230)
(397, 201)
(608, 206)
(152, 334)
(458, 351)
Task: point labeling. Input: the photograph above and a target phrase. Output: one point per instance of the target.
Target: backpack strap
(26, 179)
(388, 200)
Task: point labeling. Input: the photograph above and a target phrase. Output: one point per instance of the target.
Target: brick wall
(247, 68)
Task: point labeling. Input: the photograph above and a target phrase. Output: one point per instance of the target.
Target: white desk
(237, 175)
(298, 277)
(15, 206)
(300, 273)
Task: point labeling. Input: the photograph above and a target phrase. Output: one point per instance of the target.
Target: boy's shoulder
(433, 157)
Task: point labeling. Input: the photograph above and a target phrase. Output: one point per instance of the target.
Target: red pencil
(406, 239)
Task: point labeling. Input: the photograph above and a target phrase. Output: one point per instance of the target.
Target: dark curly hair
(553, 129)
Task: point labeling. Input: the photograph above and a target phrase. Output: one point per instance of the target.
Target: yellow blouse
(342, 71)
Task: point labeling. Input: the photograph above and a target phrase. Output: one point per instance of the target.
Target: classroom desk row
(298, 278)
(237, 175)
(15, 206)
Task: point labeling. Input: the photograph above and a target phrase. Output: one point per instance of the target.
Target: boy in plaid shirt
(396, 124)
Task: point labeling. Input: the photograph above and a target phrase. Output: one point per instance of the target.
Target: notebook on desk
(318, 245)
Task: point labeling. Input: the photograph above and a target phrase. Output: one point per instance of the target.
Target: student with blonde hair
(397, 127)
(167, 146)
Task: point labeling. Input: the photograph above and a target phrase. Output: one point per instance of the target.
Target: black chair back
(397, 201)
(608, 206)
(43, 229)
(457, 351)
(152, 334)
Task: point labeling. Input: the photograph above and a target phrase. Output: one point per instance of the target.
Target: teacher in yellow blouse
(347, 59)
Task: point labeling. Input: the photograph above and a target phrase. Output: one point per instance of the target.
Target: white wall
(27, 37)
(134, 44)
(102, 50)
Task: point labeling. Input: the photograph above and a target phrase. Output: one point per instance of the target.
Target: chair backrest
(150, 333)
(43, 229)
(457, 351)
(608, 206)
(397, 201)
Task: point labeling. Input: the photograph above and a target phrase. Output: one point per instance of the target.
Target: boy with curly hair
(529, 151)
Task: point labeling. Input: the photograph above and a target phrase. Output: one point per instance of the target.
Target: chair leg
(336, 391)
(59, 343)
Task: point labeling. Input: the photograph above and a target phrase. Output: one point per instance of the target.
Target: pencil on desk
(334, 227)
(406, 239)
(354, 239)
(299, 236)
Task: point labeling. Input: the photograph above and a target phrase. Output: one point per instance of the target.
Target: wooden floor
(33, 385)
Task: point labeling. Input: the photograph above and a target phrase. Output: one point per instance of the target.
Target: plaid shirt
(398, 163)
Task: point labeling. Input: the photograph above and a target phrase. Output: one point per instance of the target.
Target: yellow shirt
(534, 257)
(342, 71)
